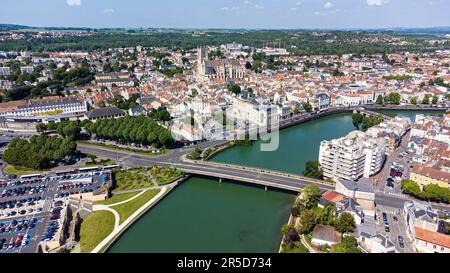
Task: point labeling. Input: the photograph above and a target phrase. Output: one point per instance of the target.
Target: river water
(203, 215)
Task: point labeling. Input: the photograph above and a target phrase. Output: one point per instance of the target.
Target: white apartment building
(348, 100)
(66, 105)
(27, 69)
(5, 71)
(351, 157)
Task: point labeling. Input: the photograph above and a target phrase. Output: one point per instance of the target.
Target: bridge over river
(262, 177)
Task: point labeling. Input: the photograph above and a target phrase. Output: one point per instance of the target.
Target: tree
(39, 152)
(307, 106)
(349, 244)
(234, 88)
(41, 127)
(379, 99)
(307, 221)
(434, 99)
(357, 119)
(345, 223)
(414, 100)
(313, 170)
(393, 98)
(285, 228)
(326, 215)
(410, 187)
(196, 154)
(310, 196)
(426, 99)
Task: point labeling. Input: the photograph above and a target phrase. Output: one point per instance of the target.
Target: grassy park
(145, 177)
(127, 209)
(10, 169)
(116, 198)
(94, 229)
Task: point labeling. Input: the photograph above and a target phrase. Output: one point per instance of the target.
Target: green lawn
(132, 179)
(10, 169)
(94, 229)
(112, 147)
(117, 198)
(298, 248)
(165, 176)
(125, 210)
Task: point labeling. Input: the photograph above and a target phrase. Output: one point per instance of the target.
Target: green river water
(203, 215)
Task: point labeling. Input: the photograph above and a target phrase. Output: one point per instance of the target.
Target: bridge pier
(220, 180)
(265, 188)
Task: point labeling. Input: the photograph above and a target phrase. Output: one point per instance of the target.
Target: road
(227, 171)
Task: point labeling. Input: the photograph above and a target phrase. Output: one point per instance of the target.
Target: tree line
(139, 130)
(297, 41)
(40, 152)
(364, 122)
(430, 192)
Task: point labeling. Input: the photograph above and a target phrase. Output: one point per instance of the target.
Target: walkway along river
(203, 215)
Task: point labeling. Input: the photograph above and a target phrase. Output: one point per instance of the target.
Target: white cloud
(259, 7)
(73, 2)
(230, 8)
(298, 3)
(246, 2)
(108, 11)
(319, 13)
(328, 5)
(293, 9)
(377, 2)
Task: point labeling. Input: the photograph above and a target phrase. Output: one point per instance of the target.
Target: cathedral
(224, 69)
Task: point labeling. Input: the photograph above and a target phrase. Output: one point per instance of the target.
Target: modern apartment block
(353, 156)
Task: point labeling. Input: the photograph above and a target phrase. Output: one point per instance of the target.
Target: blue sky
(228, 13)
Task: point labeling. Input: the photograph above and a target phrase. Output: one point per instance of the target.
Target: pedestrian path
(119, 228)
(47, 204)
(396, 194)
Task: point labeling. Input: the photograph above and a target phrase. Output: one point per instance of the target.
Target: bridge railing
(259, 170)
(250, 180)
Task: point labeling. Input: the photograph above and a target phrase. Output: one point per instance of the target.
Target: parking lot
(32, 207)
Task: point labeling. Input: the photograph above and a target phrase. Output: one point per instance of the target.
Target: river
(203, 215)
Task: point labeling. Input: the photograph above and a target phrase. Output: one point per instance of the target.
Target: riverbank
(238, 218)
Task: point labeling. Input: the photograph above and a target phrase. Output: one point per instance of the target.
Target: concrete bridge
(374, 114)
(255, 176)
(261, 177)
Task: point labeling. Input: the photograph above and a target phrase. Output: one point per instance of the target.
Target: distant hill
(426, 30)
(8, 27)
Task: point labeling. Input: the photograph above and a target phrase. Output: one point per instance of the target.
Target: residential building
(325, 235)
(424, 175)
(377, 243)
(351, 157)
(422, 226)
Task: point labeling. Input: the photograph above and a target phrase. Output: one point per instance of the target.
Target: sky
(259, 14)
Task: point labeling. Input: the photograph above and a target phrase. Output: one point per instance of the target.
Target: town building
(351, 157)
(423, 228)
(224, 69)
(325, 235)
(104, 113)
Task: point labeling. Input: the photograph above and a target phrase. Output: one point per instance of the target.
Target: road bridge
(265, 178)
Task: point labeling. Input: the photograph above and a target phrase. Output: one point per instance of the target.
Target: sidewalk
(120, 228)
